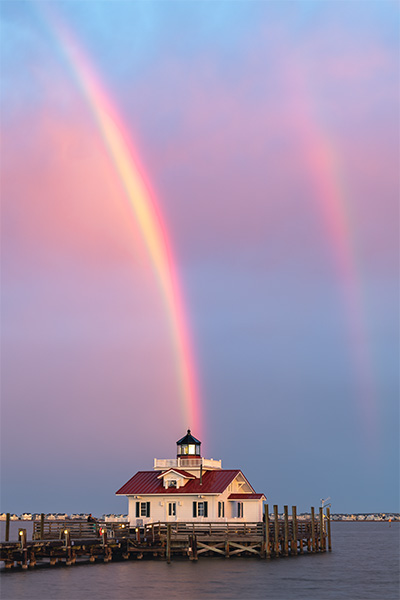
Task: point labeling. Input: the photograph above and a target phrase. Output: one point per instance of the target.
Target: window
(221, 509)
(200, 509)
(172, 483)
(172, 509)
(142, 509)
(240, 509)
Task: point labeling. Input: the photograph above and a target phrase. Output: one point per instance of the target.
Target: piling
(24, 549)
(67, 542)
(106, 550)
(41, 535)
(322, 546)
(313, 537)
(328, 524)
(286, 531)
(267, 535)
(169, 526)
(7, 527)
(276, 539)
(293, 543)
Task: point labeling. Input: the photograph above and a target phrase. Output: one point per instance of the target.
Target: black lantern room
(188, 446)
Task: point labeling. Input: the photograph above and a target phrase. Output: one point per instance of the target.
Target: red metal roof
(147, 482)
(246, 496)
(183, 473)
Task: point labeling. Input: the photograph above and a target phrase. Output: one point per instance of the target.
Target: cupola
(188, 446)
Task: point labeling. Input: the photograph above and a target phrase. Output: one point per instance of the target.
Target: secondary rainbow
(322, 162)
(147, 213)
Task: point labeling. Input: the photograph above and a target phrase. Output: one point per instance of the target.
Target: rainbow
(331, 197)
(147, 213)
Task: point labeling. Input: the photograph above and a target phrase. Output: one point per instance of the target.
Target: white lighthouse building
(191, 488)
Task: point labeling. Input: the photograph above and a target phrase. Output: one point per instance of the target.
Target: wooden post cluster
(287, 535)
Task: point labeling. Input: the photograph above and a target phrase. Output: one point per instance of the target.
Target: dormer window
(172, 483)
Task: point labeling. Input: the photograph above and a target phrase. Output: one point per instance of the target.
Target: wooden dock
(72, 541)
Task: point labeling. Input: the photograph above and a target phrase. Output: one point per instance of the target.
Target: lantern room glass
(188, 446)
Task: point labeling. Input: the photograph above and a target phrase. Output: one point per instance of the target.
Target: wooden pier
(69, 542)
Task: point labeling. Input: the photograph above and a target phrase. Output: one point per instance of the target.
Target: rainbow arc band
(144, 207)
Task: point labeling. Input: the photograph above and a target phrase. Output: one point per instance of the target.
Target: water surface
(363, 565)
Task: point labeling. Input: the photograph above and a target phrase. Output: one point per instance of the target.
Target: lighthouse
(191, 488)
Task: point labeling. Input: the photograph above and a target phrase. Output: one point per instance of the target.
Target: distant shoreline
(335, 517)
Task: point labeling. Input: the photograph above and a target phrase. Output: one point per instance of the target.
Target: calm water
(364, 564)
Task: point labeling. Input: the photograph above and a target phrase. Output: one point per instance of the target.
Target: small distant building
(191, 488)
(115, 518)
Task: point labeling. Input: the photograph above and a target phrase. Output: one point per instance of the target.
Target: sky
(267, 134)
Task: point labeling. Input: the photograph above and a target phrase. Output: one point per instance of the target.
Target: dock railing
(53, 529)
(49, 529)
(207, 529)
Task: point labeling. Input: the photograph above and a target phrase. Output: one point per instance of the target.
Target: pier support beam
(313, 536)
(286, 531)
(328, 525)
(194, 547)
(41, 534)
(276, 540)
(68, 549)
(293, 543)
(266, 530)
(322, 544)
(24, 549)
(7, 538)
(169, 526)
